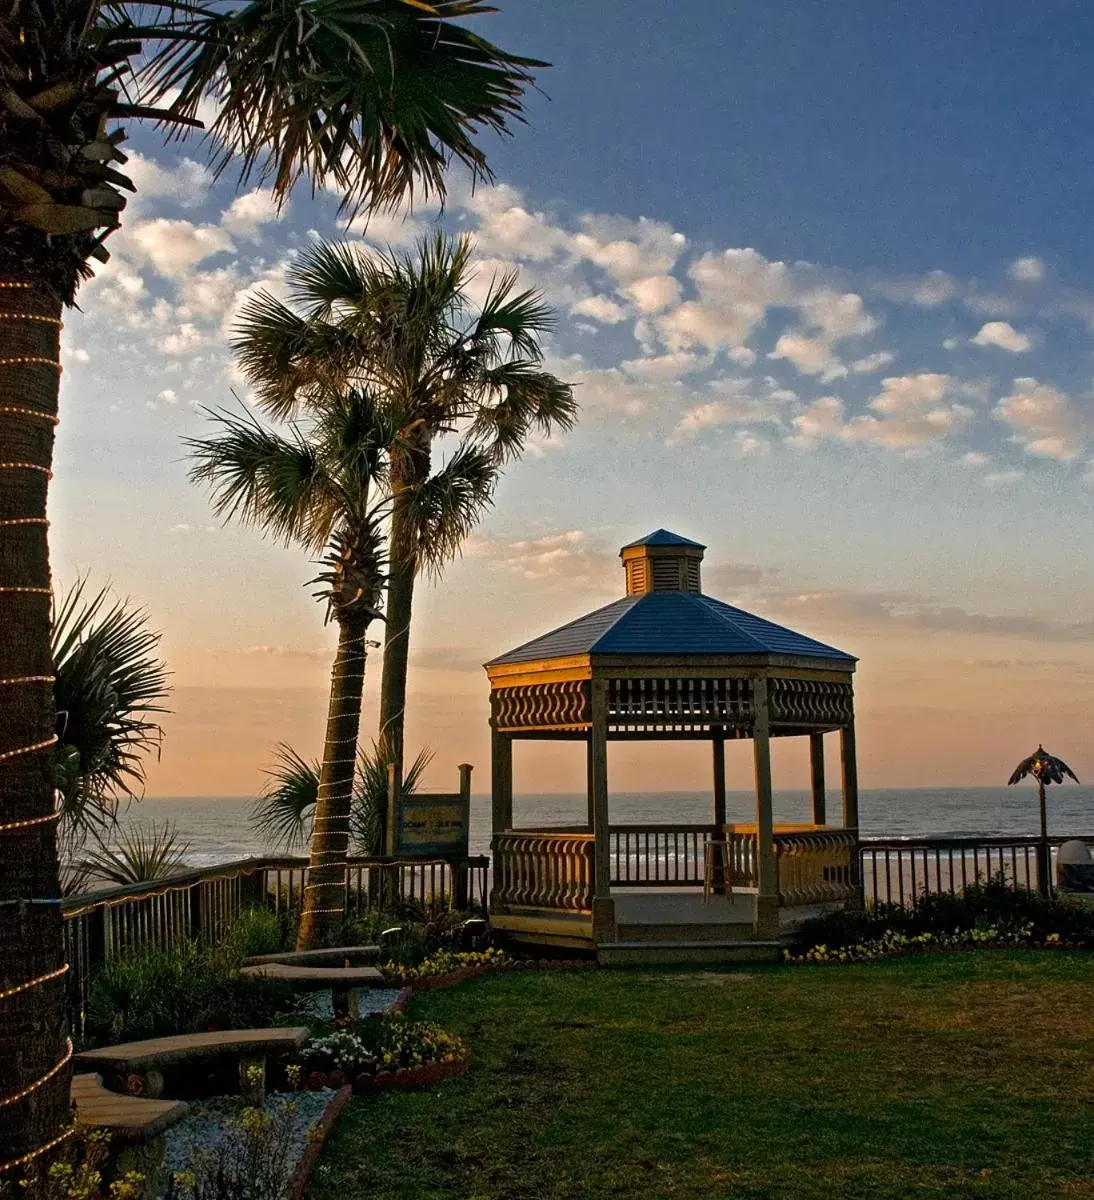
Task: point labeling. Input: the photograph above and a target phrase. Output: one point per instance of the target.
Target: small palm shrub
(136, 855)
(76, 1175)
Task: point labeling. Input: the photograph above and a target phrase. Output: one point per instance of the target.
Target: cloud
(186, 183)
(185, 339)
(666, 366)
(600, 308)
(911, 411)
(627, 250)
(872, 362)
(448, 658)
(1045, 421)
(1027, 270)
(821, 420)
(976, 458)
(174, 247)
(277, 650)
(995, 480)
(1003, 335)
(653, 293)
(565, 558)
(924, 291)
(810, 355)
(249, 212)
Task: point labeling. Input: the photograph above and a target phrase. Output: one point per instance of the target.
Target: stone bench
(135, 1124)
(341, 981)
(146, 1059)
(336, 956)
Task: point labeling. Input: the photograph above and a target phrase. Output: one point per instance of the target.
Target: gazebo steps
(662, 931)
(711, 953)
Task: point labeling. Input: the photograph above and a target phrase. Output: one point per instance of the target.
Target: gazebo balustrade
(669, 663)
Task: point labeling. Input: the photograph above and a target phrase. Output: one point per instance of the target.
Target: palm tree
(403, 326)
(108, 690)
(370, 97)
(284, 811)
(1046, 769)
(316, 486)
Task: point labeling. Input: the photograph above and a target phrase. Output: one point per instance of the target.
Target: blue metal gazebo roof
(671, 623)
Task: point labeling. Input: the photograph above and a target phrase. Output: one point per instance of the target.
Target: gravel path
(205, 1126)
(369, 1001)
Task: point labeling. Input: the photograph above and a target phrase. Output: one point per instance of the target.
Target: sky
(825, 289)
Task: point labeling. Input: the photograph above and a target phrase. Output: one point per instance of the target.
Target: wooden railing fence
(900, 870)
(201, 904)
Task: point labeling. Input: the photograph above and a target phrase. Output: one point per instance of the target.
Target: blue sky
(824, 285)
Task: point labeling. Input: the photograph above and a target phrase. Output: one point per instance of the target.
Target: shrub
(984, 913)
(185, 989)
(256, 931)
(77, 1175)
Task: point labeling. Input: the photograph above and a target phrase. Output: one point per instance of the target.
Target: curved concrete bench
(132, 1118)
(336, 956)
(136, 1127)
(306, 978)
(147, 1057)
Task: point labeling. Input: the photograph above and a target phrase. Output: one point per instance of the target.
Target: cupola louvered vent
(662, 562)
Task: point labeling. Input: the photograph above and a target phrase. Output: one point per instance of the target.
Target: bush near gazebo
(990, 913)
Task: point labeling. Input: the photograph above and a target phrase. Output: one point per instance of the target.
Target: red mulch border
(325, 1124)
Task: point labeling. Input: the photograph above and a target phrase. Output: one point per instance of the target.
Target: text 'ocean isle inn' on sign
(434, 824)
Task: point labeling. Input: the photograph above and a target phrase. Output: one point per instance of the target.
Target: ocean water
(217, 828)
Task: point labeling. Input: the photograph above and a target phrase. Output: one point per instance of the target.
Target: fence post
(194, 895)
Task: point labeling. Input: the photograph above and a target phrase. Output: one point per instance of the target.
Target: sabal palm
(109, 689)
(285, 811)
(368, 97)
(317, 486)
(403, 326)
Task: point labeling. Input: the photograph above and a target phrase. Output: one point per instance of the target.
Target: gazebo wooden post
(816, 773)
(501, 781)
(718, 746)
(849, 769)
(590, 788)
(767, 874)
(603, 906)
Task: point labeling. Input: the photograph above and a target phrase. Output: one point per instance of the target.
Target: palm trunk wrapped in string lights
(34, 1050)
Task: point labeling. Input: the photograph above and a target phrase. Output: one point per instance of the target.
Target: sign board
(435, 826)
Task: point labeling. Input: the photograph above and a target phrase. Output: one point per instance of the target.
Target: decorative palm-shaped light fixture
(1046, 769)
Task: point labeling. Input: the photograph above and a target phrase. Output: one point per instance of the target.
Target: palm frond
(449, 504)
(370, 97)
(136, 856)
(370, 795)
(282, 812)
(279, 484)
(284, 809)
(531, 401)
(109, 685)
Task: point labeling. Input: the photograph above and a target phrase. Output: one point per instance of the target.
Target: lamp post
(1046, 769)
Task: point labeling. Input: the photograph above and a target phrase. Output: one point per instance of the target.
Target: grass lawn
(957, 1074)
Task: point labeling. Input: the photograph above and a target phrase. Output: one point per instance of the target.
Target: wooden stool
(715, 855)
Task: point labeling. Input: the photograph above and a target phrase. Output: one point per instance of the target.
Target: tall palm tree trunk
(325, 897)
(406, 474)
(33, 1046)
(397, 612)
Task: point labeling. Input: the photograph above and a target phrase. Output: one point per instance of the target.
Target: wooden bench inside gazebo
(667, 662)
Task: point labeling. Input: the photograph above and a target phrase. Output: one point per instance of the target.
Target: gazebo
(669, 662)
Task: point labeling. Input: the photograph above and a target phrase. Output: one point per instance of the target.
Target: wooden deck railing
(658, 855)
(545, 868)
(900, 870)
(201, 904)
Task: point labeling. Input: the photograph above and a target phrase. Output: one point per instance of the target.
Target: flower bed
(894, 944)
(392, 1052)
(447, 968)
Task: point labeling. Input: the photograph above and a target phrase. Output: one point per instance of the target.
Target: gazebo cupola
(667, 661)
(662, 562)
